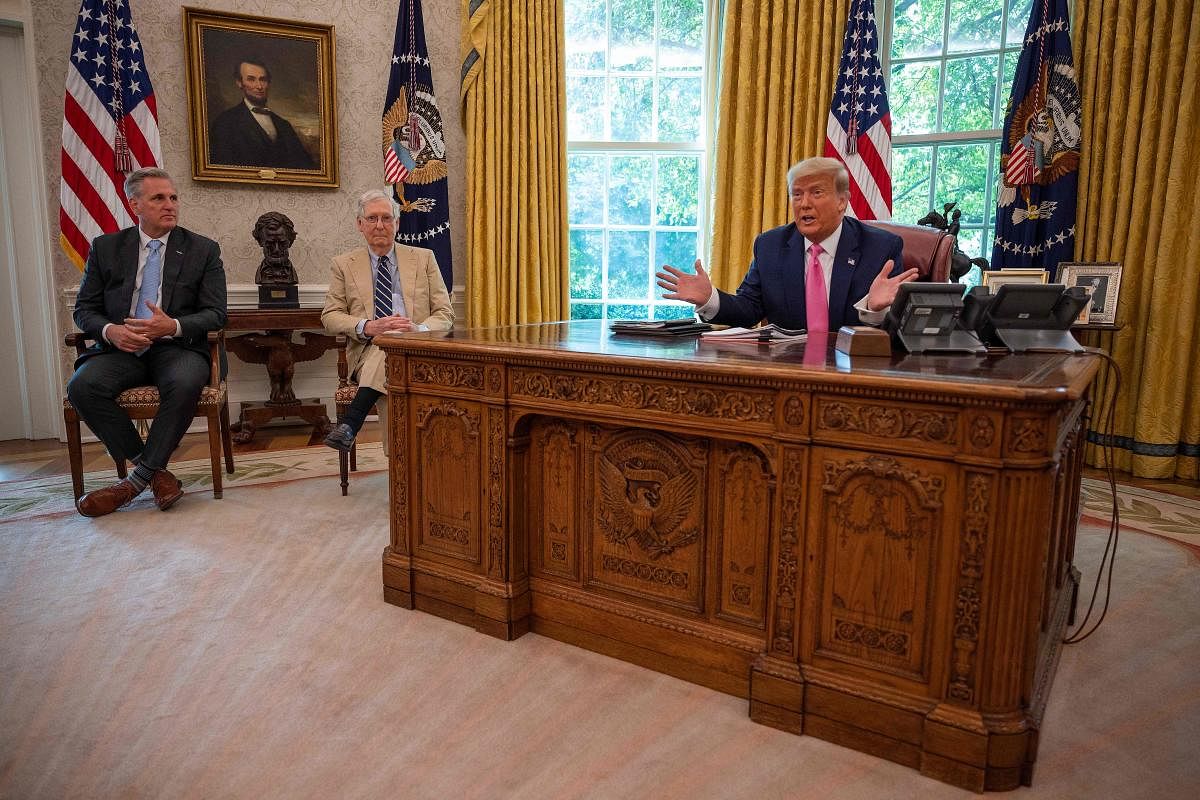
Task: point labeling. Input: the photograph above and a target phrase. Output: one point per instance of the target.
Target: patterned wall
(323, 217)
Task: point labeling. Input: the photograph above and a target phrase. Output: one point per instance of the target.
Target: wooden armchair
(927, 249)
(141, 402)
(342, 398)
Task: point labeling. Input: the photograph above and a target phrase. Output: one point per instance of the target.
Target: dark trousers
(180, 375)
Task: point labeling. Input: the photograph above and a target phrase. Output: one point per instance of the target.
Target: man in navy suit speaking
(252, 135)
(820, 272)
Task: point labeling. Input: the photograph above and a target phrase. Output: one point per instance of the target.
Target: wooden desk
(877, 552)
(274, 348)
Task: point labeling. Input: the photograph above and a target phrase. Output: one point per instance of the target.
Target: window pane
(970, 241)
(587, 310)
(969, 93)
(585, 34)
(679, 109)
(1004, 90)
(586, 251)
(917, 28)
(585, 109)
(678, 190)
(632, 109)
(962, 178)
(675, 311)
(1018, 19)
(910, 187)
(677, 248)
(628, 266)
(914, 97)
(628, 311)
(681, 36)
(585, 190)
(974, 25)
(631, 46)
(629, 190)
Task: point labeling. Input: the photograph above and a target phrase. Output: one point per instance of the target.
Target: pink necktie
(816, 299)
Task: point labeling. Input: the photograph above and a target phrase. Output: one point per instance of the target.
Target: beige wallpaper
(226, 212)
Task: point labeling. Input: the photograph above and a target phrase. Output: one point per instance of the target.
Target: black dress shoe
(107, 500)
(341, 437)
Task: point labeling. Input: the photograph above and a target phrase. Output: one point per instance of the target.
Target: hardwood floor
(22, 458)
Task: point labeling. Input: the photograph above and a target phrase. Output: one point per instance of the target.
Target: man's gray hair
(133, 183)
(820, 165)
(370, 197)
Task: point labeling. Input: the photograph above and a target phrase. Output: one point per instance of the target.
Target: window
(951, 64)
(637, 80)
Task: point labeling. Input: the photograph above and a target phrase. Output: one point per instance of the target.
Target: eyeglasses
(375, 219)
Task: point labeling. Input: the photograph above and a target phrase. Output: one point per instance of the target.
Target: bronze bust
(276, 277)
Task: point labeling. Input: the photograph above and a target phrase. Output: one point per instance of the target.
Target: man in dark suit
(820, 272)
(252, 135)
(149, 296)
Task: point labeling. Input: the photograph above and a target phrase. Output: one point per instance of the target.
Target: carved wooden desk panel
(876, 553)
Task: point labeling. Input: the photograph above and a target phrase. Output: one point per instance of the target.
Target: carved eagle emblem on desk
(642, 502)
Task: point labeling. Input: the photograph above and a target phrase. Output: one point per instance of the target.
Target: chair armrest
(216, 343)
(78, 340)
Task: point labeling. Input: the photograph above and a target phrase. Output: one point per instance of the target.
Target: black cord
(1114, 528)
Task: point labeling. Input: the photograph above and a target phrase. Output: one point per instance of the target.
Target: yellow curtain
(1138, 204)
(514, 116)
(778, 67)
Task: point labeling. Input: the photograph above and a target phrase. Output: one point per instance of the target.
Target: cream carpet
(241, 649)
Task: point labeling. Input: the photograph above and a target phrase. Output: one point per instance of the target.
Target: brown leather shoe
(167, 489)
(107, 500)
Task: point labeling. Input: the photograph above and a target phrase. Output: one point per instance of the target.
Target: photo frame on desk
(995, 278)
(261, 99)
(1102, 279)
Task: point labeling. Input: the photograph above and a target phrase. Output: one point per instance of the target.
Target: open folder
(765, 333)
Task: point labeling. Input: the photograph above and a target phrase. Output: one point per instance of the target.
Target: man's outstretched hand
(695, 288)
(883, 289)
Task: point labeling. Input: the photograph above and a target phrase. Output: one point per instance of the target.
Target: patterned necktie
(383, 288)
(816, 299)
(151, 281)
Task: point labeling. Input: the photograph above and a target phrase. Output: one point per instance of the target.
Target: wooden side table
(268, 340)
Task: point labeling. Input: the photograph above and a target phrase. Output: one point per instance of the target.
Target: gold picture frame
(1102, 279)
(995, 278)
(261, 99)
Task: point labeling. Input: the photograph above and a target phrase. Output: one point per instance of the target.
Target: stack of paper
(664, 327)
(766, 333)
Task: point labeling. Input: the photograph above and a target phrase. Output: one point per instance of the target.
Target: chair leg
(354, 456)
(343, 461)
(214, 452)
(226, 437)
(74, 452)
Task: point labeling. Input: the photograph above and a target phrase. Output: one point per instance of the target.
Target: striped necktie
(383, 288)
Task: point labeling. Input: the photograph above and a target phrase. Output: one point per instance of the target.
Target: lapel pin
(850, 261)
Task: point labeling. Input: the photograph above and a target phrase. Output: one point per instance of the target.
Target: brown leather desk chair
(141, 402)
(927, 249)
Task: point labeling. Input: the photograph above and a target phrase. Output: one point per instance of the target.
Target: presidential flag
(1039, 150)
(414, 148)
(110, 125)
(859, 131)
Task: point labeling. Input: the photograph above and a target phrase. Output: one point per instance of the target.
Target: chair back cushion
(927, 249)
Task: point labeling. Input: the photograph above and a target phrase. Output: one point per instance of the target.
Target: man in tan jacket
(384, 288)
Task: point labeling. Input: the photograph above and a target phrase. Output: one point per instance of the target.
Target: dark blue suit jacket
(773, 289)
(235, 138)
(193, 287)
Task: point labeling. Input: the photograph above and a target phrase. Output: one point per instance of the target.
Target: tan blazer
(351, 299)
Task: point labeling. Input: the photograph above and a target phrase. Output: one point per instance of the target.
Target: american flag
(110, 125)
(859, 131)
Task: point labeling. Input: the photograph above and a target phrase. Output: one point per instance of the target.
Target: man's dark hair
(237, 69)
